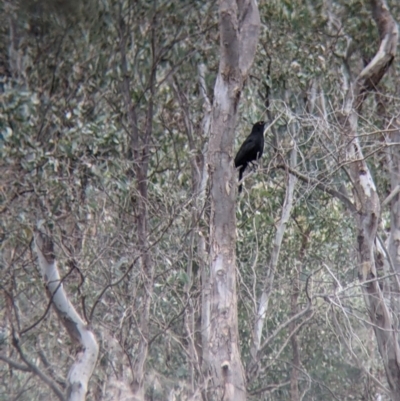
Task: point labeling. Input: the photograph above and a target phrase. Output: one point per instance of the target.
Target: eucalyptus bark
(239, 24)
(79, 331)
(201, 243)
(366, 197)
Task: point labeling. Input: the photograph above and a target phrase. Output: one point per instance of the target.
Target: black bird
(251, 149)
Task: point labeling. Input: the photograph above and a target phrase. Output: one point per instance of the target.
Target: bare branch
(36, 371)
(391, 196)
(323, 187)
(14, 365)
(284, 325)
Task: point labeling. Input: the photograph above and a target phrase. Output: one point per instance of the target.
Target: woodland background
(93, 97)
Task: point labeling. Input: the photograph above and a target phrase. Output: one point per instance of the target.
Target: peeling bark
(201, 243)
(86, 357)
(239, 24)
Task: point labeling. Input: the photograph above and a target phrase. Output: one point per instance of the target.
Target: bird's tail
(240, 178)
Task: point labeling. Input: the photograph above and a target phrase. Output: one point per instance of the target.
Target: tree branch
(321, 186)
(14, 364)
(36, 371)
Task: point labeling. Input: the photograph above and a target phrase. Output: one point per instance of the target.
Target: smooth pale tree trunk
(86, 357)
(201, 243)
(366, 197)
(239, 24)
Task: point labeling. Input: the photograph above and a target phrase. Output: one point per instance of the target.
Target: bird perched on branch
(251, 149)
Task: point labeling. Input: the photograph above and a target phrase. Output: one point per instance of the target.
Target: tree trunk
(201, 243)
(294, 375)
(239, 24)
(141, 154)
(394, 238)
(294, 298)
(86, 357)
(366, 197)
